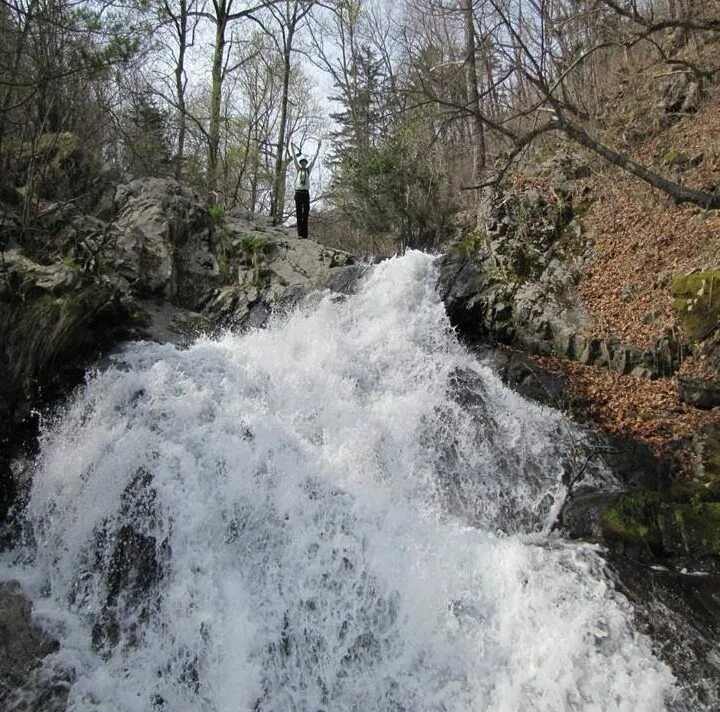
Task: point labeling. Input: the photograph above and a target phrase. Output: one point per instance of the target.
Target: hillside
(642, 241)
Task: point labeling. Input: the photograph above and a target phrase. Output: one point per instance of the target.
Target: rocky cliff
(163, 266)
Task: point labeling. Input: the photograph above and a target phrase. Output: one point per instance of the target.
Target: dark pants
(302, 209)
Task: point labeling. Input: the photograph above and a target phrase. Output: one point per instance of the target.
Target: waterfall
(345, 511)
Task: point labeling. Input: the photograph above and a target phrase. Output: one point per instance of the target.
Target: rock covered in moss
(648, 524)
(697, 311)
(697, 303)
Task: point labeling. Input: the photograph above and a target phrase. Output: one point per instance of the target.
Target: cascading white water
(344, 511)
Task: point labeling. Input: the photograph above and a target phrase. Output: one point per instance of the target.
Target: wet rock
(527, 379)
(23, 645)
(582, 515)
(677, 607)
(484, 299)
(134, 566)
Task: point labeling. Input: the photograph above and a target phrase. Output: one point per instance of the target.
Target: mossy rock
(705, 483)
(647, 523)
(630, 520)
(697, 303)
(691, 529)
(471, 243)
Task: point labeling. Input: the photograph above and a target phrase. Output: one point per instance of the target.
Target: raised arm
(295, 153)
(317, 153)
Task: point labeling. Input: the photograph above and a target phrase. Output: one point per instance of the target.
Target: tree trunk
(216, 96)
(180, 88)
(8, 98)
(280, 165)
(676, 191)
(477, 128)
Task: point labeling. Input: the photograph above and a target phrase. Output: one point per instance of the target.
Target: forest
(422, 103)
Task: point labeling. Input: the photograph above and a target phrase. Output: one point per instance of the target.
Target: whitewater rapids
(342, 512)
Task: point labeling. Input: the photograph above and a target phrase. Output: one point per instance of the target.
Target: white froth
(336, 529)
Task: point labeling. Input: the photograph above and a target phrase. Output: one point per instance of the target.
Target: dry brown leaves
(642, 239)
(634, 407)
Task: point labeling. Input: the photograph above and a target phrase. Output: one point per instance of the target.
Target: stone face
(162, 240)
(698, 392)
(23, 645)
(517, 285)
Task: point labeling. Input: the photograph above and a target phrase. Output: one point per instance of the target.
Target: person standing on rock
(302, 188)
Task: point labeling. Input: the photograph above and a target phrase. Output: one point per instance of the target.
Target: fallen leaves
(633, 407)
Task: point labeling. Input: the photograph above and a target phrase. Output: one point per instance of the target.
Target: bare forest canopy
(421, 103)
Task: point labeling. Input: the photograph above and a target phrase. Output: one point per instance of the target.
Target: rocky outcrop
(680, 93)
(54, 319)
(23, 645)
(515, 283)
(271, 270)
(162, 241)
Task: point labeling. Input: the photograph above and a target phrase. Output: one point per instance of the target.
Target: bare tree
(181, 17)
(288, 16)
(223, 15)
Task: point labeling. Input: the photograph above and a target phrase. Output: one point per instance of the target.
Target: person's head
(303, 162)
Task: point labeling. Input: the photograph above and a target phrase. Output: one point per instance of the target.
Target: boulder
(23, 645)
(697, 303)
(698, 392)
(163, 241)
(680, 94)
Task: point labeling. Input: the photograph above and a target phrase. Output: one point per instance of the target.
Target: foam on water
(342, 512)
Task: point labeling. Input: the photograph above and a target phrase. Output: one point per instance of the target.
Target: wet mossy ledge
(678, 521)
(648, 525)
